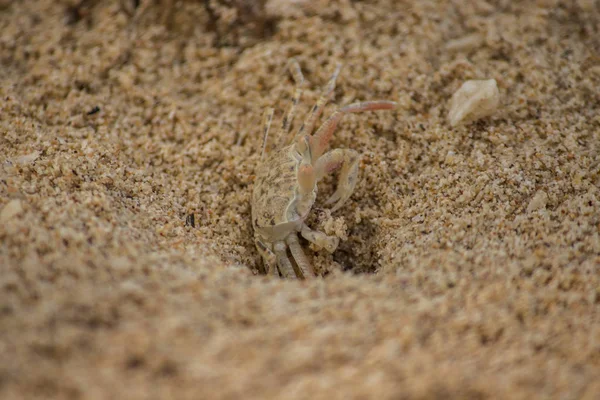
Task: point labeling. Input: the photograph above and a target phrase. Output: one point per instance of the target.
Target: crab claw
(348, 160)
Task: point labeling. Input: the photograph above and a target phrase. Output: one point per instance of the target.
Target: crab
(285, 188)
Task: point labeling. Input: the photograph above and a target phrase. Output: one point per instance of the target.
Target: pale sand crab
(285, 187)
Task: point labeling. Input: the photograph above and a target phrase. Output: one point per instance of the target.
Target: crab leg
(329, 243)
(283, 262)
(268, 257)
(267, 118)
(315, 112)
(321, 138)
(306, 270)
(289, 118)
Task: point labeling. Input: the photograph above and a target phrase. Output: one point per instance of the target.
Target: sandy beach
(469, 256)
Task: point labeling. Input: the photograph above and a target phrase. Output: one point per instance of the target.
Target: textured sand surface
(470, 259)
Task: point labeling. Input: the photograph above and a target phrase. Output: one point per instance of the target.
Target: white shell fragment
(474, 100)
(28, 158)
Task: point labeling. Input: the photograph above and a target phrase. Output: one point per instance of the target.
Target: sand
(469, 265)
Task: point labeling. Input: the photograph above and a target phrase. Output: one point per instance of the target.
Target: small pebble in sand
(11, 209)
(465, 43)
(474, 100)
(539, 201)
